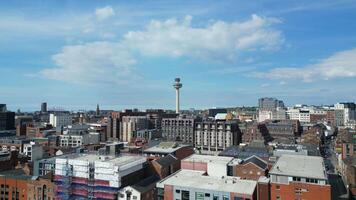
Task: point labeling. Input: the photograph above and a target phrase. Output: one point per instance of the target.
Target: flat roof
(300, 166)
(118, 160)
(208, 158)
(196, 179)
(165, 147)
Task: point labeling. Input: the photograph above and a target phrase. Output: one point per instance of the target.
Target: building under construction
(92, 176)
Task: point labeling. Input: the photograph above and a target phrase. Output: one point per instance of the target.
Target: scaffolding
(63, 183)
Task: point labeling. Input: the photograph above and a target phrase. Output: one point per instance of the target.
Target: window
(278, 197)
(177, 191)
(199, 196)
(207, 194)
(215, 197)
(296, 178)
(278, 187)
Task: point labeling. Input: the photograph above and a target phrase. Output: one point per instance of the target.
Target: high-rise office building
(271, 109)
(60, 119)
(44, 107)
(7, 119)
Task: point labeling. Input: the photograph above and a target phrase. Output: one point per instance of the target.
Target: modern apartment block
(349, 110)
(91, 176)
(178, 129)
(299, 177)
(131, 124)
(189, 184)
(214, 136)
(60, 119)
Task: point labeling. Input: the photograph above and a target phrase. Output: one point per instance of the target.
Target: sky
(126, 54)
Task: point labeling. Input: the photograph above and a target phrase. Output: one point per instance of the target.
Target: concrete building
(214, 136)
(131, 124)
(91, 176)
(289, 149)
(177, 85)
(33, 151)
(271, 109)
(349, 110)
(60, 119)
(212, 165)
(78, 140)
(179, 129)
(190, 184)
(299, 177)
(268, 103)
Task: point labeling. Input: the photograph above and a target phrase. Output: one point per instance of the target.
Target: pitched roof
(257, 161)
(167, 160)
(146, 184)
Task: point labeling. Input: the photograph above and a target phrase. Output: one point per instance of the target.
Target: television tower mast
(177, 85)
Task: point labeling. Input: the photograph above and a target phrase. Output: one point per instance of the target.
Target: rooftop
(164, 147)
(207, 158)
(300, 166)
(115, 160)
(196, 179)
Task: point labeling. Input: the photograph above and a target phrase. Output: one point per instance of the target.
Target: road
(338, 188)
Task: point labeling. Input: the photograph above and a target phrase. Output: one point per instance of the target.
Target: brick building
(251, 168)
(13, 185)
(165, 166)
(214, 136)
(179, 129)
(299, 177)
(41, 188)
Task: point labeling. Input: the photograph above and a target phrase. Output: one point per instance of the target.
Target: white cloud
(104, 13)
(115, 61)
(339, 65)
(92, 63)
(219, 39)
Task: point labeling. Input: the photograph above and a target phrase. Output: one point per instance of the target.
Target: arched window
(44, 192)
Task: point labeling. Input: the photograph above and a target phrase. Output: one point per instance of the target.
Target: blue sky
(126, 54)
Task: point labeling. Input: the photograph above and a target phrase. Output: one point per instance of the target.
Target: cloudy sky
(126, 54)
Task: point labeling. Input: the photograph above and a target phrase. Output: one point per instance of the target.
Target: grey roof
(245, 152)
(300, 166)
(146, 184)
(167, 160)
(197, 180)
(257, 161)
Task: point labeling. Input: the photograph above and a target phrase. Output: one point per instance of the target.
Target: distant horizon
(118, 108)
(125, 54)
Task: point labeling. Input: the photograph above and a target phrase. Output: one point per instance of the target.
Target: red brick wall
(263, 191)
(233, 195)
(198, 166)
(14, 184)
(168, 192)
(184, 152)
(313, 191)
(248, 171)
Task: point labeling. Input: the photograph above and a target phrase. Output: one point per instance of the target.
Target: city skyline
(127, 54)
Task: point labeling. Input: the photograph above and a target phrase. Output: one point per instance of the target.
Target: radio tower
(177, 85)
